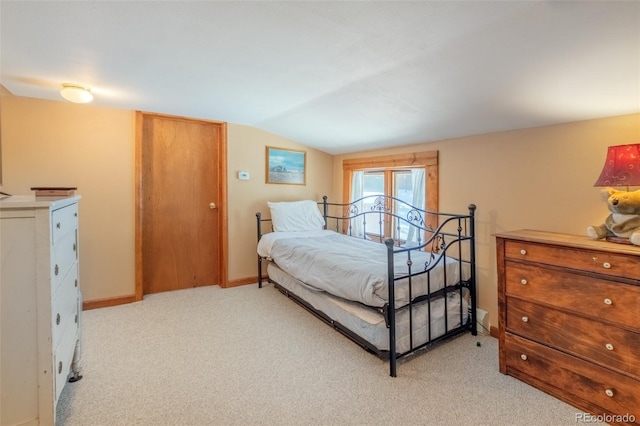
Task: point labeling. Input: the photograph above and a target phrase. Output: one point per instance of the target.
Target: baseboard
(123, 300)
(105, 303)
(493, 331)
(243, 281)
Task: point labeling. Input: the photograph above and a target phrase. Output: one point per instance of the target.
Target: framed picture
(286, 166)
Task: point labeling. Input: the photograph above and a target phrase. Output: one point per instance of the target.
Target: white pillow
(296, 216)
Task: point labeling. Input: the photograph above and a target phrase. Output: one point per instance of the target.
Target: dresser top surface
(30, 201)
(568, 240)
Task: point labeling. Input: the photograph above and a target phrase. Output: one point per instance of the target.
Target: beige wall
(246, 152)
(47, 143)
(540, 178)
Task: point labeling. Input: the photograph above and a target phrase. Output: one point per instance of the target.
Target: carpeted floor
(249, 356)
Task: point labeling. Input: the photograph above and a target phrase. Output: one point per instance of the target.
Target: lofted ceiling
(339, 76)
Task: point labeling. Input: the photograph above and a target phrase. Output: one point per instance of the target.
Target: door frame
(223, 229)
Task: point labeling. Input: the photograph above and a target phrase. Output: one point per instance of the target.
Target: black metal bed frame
(446, 235)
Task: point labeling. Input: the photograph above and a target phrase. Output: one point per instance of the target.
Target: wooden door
(181, 197)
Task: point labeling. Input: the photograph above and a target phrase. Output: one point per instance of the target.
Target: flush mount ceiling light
(76, 93)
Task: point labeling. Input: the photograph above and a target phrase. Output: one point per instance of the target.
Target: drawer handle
(57, 319)
(523, 252)
(55, 270)
(59, 367)
(607, 301)
(524, 357)
(76, 319)
(58, 225)
(606, 265)
(609, 346)
(609, 392)
(525, 319)
(76, 283)
(74, 246)
(523, 281)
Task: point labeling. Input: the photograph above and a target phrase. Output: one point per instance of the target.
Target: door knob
(212, 206)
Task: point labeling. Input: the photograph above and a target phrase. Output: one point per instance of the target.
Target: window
(412, 178)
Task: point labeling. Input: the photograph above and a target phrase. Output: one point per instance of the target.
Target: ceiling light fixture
(76, 93)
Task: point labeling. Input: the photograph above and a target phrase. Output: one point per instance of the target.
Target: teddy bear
(624, 220)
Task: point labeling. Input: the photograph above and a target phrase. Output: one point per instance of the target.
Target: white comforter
(352, 268)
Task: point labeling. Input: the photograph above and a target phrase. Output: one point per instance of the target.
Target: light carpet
(249, 356)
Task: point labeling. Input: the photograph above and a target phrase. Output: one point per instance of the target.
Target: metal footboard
(443, 236)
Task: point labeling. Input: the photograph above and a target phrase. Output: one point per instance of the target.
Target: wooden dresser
(40, 306)
(569, 320)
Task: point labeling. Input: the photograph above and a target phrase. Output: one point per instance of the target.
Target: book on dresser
(54, 191)
(569, 320)
(40, 304)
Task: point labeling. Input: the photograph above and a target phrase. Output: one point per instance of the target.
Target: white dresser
(40, 306)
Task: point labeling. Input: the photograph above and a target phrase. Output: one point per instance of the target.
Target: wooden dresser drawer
(603, 299)
(63, 221)
(559, 373)
(602, 262)
(606, 345)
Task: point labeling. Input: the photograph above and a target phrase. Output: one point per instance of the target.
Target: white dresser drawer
(64, 221)
(64, 308)
(65, 254)
(64, 357)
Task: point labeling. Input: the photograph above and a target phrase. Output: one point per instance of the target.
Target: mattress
(370, 325)
(356, 269)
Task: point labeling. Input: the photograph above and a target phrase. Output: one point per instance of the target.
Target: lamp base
(619, 240)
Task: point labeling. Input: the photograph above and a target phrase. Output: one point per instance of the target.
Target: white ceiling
(337, 76)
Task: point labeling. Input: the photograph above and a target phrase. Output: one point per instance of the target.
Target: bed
(392, 296)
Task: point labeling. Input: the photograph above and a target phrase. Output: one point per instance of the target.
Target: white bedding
(352, 268)
(371, 325)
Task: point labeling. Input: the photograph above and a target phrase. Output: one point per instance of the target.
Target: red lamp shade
(622, 166)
